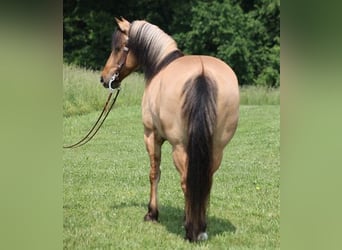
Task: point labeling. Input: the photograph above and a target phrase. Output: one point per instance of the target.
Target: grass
(259, 95)
(82, 93)
(106, 185)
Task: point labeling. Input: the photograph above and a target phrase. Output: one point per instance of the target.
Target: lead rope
(97, 125)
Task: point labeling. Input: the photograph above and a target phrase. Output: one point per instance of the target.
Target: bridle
(105, 110)
(121, 63)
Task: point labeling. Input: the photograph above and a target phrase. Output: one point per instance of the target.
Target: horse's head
(121, 61)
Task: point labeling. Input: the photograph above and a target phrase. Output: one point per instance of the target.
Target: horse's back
(169, 97)
(186, 68)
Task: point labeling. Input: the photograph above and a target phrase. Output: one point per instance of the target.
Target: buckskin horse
(192, 101)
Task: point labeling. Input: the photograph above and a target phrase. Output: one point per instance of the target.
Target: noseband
(118, 69)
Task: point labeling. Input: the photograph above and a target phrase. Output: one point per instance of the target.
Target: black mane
(153, 69)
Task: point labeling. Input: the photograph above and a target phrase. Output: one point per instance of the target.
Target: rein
(107, 108)
(105, 111)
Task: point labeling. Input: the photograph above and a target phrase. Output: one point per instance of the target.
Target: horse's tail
(199, 110)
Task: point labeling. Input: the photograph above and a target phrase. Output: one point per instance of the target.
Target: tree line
(243, 33)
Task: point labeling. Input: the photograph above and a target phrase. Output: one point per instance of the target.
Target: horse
(191, 101)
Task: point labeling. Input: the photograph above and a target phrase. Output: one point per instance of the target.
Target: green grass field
(106, 184)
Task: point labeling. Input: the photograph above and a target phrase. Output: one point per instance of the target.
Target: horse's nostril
(101, 79)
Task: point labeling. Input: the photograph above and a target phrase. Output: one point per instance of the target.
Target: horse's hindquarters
(164, 98)
(194, 104)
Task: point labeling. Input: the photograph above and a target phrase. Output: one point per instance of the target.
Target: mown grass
(106, 185)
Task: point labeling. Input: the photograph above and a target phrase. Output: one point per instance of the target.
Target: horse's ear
(123, 24)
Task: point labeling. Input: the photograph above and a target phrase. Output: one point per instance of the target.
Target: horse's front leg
(153, 144)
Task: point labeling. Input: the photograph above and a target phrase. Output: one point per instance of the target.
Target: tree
(243, 33)
(222, 29)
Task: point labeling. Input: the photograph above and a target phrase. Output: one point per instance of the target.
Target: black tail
(199, 110)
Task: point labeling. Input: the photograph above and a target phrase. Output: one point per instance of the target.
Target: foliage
(244, 33)
(224, 30)
(88, 48)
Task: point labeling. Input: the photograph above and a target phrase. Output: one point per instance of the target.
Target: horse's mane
(153, 48)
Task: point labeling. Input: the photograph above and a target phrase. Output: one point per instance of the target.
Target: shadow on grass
(172, 219)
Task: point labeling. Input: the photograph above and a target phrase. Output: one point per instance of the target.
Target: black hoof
(152, 214)
(150, 217)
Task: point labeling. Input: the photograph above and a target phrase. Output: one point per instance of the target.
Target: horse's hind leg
(180, 159)
(153, 144)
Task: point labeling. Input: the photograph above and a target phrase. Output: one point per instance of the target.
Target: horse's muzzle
(112, 83)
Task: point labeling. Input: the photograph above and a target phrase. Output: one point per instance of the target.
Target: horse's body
(190, 101)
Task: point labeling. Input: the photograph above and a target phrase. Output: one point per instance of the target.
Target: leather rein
(107, 108)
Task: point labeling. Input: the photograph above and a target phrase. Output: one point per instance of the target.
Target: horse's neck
(170, 48)
(154, 41)
(151, 47)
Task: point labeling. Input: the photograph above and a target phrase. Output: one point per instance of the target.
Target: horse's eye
(117, 49)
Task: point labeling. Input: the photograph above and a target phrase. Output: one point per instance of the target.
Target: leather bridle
(121, 63)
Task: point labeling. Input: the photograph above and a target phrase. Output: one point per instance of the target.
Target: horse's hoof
(202, 236)
(150, 217)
